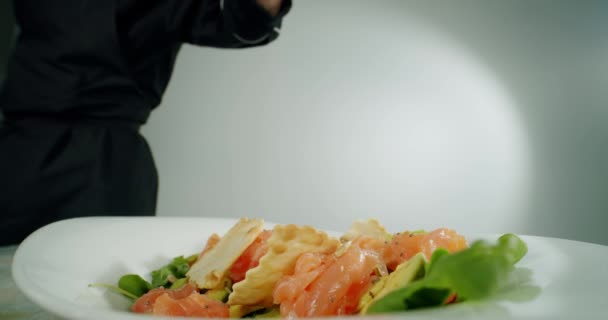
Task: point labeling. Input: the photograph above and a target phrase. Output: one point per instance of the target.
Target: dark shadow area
(7, 29)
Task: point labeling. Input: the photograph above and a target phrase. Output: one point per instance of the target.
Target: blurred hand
(272, 6)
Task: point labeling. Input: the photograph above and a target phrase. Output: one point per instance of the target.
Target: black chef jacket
(83, 77)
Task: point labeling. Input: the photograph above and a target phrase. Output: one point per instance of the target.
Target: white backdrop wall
(483, 116)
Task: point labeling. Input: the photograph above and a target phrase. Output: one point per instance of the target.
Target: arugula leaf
(434, 257)
(160, 277)
(177, 268)
(474, 273)
(513, 247)
(179, 283)
(180, 267)
(130, 285)
(134, 284)
(115, 289)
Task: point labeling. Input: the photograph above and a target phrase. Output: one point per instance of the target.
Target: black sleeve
(227, 23)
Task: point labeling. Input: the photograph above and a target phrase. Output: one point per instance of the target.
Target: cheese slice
(368, 228)
(207, 272)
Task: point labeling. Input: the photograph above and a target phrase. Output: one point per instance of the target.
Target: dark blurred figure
(84, 76)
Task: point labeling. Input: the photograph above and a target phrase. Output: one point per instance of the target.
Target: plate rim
(58, 307)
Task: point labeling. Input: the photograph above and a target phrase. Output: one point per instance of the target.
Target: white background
(483, 116)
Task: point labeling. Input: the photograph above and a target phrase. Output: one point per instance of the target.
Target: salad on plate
(299, 271)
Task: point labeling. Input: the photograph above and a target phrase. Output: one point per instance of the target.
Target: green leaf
(438, 253)
(179, 283)
(474, 273)
(134, 284)
(160, 277)
(513, 246)
(427, 297)
(177, 268)
(115, 289)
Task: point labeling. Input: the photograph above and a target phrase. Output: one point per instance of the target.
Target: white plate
(53, 267)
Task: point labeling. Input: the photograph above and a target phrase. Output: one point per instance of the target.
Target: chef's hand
(272, 6)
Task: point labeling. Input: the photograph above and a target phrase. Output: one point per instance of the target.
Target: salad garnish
(300, 271)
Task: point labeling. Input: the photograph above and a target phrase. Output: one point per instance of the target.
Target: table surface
(13, 304)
